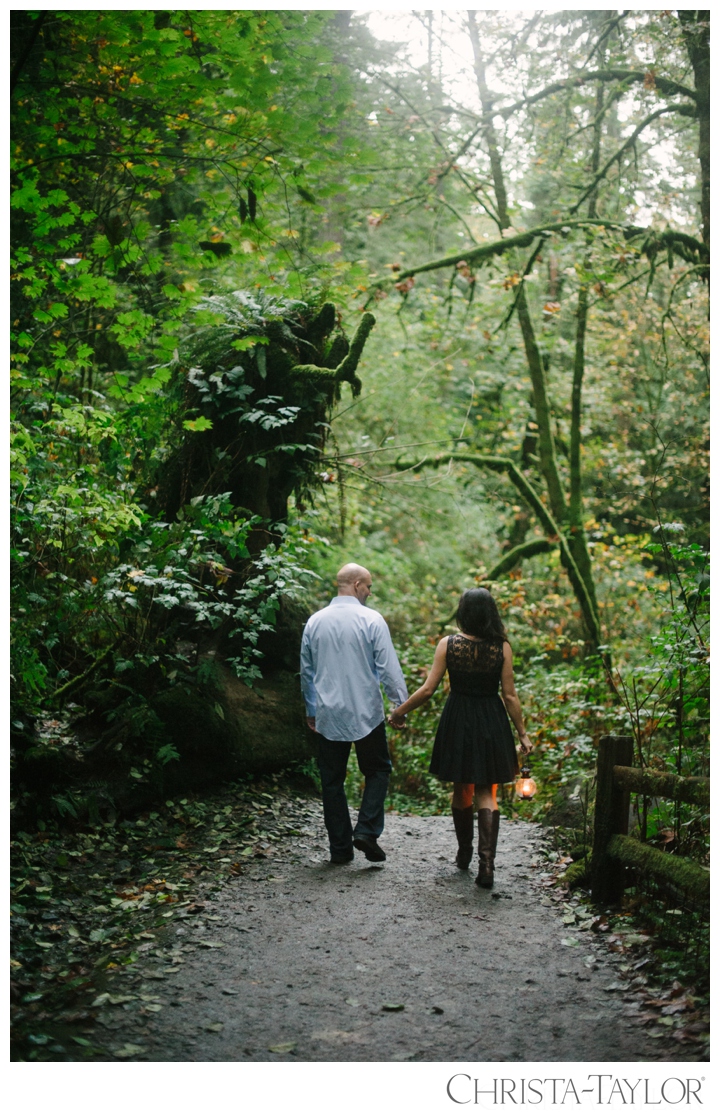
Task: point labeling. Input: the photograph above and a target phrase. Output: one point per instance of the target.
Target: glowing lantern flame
(525, 787)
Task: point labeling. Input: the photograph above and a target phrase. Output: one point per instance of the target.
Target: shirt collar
(345, 600)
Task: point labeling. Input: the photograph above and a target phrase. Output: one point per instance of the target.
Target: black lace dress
(474, 741)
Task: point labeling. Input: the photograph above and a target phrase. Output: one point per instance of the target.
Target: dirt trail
(299, 961)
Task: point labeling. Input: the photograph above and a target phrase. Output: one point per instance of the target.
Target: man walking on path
(346, 654)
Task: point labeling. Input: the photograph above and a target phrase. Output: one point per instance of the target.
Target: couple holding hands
(347, 654)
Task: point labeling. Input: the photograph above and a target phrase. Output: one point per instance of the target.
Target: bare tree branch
(665, 85)
(684, 110)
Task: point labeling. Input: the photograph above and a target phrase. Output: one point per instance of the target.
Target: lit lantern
(525, 787)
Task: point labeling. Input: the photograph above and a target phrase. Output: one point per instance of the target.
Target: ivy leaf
(197, 425)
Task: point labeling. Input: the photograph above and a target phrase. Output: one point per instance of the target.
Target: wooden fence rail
(656, 785)
(613, 849)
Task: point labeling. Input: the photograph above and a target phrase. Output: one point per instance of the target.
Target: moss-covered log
(659, 784)
(578, 873)
(689, 877)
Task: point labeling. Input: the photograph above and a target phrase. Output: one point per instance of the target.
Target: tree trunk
(580, 564)
(696, 32)
(577, 539)
(488, 129)
(543, 415)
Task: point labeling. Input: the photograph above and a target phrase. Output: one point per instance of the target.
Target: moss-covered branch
(61, 694)
(523, 485)
(346, 369)
(685, 246)
(661, 784)
(683, 873)
(519, 553)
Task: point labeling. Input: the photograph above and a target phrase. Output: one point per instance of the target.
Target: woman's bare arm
(511, 699)
(426, 690)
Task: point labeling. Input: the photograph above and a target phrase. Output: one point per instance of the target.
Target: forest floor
(217, 930)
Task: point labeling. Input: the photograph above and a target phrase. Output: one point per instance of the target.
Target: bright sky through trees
(441, 36)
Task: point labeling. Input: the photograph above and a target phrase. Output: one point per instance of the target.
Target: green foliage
(151, 153)
(188, 193)
(172, 583)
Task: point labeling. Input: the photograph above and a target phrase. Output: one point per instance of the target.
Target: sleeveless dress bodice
(474, 666)
(474, 742)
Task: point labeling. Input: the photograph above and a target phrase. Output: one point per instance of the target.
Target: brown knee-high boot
(488, 829)
(463, 821)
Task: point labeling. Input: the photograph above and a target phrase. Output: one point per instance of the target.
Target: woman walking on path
(474, 746)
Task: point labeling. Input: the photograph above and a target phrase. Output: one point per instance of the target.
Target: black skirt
(474, 742)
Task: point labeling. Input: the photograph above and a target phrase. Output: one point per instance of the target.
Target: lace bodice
(474, 665)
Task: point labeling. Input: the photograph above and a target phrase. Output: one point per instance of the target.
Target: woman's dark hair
(478, 615)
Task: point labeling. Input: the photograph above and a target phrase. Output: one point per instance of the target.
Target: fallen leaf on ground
(283, 1047)
(128, 1051)
(393, 1006)
(673, 1008)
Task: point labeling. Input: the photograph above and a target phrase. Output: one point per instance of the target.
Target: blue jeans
(374, 761)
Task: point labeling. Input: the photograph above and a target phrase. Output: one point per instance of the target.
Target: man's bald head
(354, 580)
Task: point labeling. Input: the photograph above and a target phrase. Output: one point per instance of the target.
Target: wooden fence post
(612, 807)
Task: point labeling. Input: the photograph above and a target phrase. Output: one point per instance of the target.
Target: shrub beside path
(405, 961)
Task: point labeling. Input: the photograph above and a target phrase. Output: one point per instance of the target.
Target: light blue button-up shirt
(346, 655)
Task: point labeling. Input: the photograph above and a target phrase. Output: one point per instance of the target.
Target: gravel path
(407, 960)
